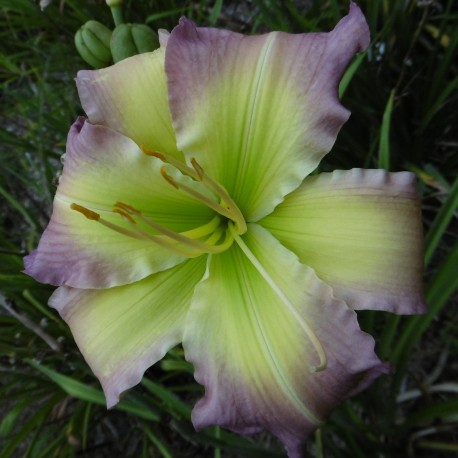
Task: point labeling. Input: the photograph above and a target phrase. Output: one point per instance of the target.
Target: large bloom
(186, 213)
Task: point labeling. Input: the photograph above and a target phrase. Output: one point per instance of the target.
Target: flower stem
(116, 12)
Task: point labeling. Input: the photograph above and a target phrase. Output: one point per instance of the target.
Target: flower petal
(102, 167)
(131, 97)
(124, 330)
(361, 231)
(252, 354)
(259, 112)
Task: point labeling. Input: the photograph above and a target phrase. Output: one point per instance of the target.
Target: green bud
(92, 41)
(131, 39)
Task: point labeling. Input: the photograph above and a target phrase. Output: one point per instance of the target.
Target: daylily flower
(186, 213)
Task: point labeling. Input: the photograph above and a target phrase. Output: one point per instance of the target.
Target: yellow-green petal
(131, 97)
(259, 112)
(124, 330)
(252, 353)
(361, 231)
(101, 168)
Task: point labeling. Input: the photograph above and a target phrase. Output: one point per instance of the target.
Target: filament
(206, 239)
(227, 207)
(178, 237)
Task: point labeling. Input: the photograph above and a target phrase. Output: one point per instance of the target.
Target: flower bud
(131, 39)
(92, 41)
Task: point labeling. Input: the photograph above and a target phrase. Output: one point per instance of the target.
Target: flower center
(225, 207)
(212, 237)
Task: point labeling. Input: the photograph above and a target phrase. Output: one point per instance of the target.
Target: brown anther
(153, 153)
(124, 215)
(168, 178)
(199, 170)
(127, 208)
(89, 214)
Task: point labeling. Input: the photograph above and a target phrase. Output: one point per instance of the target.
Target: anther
(199, 170)
(168, 159)
(127, 208)
(93, 216)
(89, 214)
(124, 214)
(226, 206)
(153, 153)
(168, 178)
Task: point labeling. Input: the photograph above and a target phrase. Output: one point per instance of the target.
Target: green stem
(318, 444)
(116, 12)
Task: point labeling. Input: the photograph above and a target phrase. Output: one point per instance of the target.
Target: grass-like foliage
(402, 92)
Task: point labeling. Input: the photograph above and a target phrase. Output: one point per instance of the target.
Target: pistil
(286, 302)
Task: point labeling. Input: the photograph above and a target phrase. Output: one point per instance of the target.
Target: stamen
(203, 247)
(227, 242)
(167, 158)
(153, 153)
(303, 324)
(214, 238)
(89, 214)
(96, 217)
(224, 196)
(124, 215)
(203, 230)
(197, 173)
(127, 208)
(168, 178)
(197, 195)
(137, 233)
(199, 170)
(186, 243)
